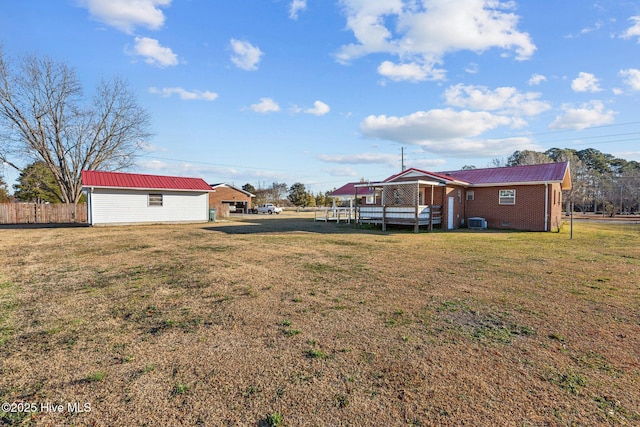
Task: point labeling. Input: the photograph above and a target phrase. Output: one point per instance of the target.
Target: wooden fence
(36, 213)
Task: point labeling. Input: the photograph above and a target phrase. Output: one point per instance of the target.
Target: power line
(590, 128)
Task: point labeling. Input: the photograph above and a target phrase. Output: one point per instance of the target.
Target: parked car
(267, 208)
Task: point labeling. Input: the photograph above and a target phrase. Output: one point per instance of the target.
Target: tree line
(281, 194)
(601, 183)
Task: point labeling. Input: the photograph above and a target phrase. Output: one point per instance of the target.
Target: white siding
(112, 206)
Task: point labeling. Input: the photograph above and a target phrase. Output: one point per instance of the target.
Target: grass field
(277, 320)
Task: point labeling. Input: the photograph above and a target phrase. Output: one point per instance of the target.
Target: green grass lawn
(285, 321)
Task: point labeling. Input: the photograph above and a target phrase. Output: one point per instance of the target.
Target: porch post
(356, 219)
(416, 227)
(442, 216)
(431, 211)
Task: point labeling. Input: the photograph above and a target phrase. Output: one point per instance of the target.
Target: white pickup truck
(268, 208)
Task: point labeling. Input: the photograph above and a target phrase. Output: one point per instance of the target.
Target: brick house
(227, 198)
(521, 198)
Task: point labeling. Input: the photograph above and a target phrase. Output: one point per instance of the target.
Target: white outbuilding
(116, 198)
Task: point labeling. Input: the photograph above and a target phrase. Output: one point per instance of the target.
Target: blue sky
(328, 91)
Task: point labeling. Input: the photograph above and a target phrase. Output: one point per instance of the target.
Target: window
(459, 196)
(507, 197)
(155, 199)
(470, 195)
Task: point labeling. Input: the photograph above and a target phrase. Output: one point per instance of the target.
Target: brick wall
(227, 194)
(528, 213)
(555, 202)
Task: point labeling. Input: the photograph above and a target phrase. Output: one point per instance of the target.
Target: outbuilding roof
(101, 179)
(224, 184)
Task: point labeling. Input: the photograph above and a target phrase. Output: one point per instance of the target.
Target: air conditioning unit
(477, 223)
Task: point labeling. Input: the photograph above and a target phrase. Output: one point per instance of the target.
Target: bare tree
(44, 116)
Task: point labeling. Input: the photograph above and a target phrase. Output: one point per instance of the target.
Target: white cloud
(152, 165)
(447, 131)
(245, 55)
(434, 125)
(585, 82)
(126, 15)
(597, 26)
(295, 7)
(151, 148)
(634, 30)
(343, 171)
(420, 34)
(153, 53)
(536, 79)
(184, 94)
(362, 159)
(588, 115)
(187, 169)
(266, 105)
(425, 163)
(631, 77)
(209, 172)
(412, 72)
(503, 99)
(472, 68)
(319, 109)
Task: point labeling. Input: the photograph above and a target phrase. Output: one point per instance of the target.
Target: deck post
(444, 200)
(384, 217)
(350, 209)
(416, 227)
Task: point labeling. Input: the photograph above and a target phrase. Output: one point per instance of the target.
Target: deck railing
(336, 214)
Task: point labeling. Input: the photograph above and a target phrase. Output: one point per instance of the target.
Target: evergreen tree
(298, 194)
(37, 183)
(4, 193)
(249, 188)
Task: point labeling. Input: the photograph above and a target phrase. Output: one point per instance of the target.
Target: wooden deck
(416, 216)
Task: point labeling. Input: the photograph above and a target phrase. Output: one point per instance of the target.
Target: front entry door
(450, 214)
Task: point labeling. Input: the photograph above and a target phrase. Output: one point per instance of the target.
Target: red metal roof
(350, 190)
(139, 181)
(547, 172)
